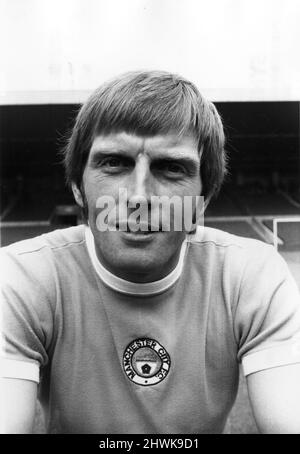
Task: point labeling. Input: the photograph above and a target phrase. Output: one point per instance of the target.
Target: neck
(138, 275)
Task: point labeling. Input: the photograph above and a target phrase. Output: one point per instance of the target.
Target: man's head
(153, 134)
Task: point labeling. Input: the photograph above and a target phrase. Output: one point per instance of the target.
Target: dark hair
(147, 103)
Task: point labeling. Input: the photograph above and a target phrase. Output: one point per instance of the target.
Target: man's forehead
(122, 141)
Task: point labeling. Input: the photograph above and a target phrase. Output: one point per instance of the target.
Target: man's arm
(19, 403)
(275, 399)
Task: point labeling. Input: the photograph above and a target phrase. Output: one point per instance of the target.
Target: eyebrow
(103, 153)
(159, 156)
(188, 161)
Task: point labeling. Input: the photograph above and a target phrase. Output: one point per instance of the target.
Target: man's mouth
(139, 229)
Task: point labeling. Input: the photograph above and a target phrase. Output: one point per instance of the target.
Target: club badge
(146, 362)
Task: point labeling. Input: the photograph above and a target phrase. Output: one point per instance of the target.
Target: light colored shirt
(112, 356)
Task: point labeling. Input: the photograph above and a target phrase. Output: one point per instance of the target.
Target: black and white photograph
(150, 219)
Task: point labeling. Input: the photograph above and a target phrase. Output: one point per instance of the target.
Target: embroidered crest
(146, 362)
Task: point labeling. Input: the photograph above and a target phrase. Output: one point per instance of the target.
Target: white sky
(59, 50)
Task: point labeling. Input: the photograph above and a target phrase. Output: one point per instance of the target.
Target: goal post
(276, 221)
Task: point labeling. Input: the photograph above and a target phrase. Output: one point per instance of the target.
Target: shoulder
(237, 264)
(229, 247)
(47, 241)
(36, 259)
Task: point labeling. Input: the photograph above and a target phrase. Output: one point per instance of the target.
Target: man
(142, 331)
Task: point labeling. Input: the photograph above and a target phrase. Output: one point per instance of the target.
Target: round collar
(128, 287)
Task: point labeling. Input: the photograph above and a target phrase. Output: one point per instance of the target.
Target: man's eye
(173, 168)
(113, 163)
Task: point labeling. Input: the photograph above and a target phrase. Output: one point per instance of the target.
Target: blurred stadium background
(246, 65)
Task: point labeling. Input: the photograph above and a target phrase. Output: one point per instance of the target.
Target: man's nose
(141, 184)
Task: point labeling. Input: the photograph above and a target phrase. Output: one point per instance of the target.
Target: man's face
(162, 165)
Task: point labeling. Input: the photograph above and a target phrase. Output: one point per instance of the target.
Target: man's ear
(77, 195)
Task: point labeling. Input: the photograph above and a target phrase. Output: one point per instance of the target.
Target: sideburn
(84, 209)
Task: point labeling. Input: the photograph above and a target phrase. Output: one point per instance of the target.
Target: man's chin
(139, 269)
(137, 257)
(138, 260)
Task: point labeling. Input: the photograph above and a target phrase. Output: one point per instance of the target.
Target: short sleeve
(267, 316)
(26, 316)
